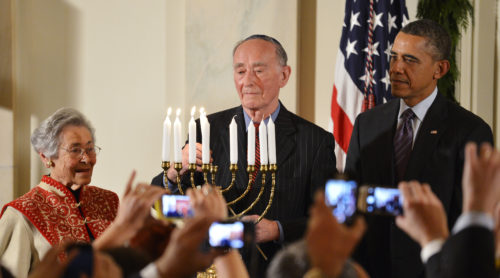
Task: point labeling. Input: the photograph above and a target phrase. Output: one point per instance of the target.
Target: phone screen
(175, 206)
(382, 200)
(340, 195)
(230, 234)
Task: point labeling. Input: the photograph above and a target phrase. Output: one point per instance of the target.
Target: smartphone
(174, 206)
(231, 234)
(380, 200)
(340, 196)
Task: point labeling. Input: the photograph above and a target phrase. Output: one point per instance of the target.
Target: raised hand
(424, 217)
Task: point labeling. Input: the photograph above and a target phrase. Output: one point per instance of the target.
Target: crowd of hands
(329, 243)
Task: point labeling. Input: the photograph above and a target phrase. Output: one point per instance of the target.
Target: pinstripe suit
(305, 159)
(437, 158)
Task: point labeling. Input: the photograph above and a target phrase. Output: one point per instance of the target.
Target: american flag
(362, 69)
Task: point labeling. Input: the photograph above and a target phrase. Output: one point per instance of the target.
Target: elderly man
(420, 136)
(305, 152)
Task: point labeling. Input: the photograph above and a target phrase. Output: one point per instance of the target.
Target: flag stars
(388, 50)
(391, 22)
(354, 20)
(378, 20)
(363, 78)
(405, 21)
(372, 49)
(350, 48)
(386, 80)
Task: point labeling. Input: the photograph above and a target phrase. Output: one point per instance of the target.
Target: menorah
(266, 133)
(212, 169)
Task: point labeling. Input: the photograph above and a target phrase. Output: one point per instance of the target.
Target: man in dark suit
(305, 152)
(470, 250)
(426, 143)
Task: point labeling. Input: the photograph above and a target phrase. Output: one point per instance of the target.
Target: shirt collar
(421, 108)
(274, 115)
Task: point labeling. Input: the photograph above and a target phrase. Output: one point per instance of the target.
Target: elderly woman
(64, 206)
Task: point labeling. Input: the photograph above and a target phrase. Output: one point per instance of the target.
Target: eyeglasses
(77, 152)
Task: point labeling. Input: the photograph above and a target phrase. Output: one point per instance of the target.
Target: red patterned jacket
(53, 210)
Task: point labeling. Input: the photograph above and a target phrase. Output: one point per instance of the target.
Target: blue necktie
(403, 142)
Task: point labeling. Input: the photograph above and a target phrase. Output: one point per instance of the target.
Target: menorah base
(208, 273)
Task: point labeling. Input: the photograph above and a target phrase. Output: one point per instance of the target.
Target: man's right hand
(172, 173)
(424, 218)
(481, 179)
(330, 243)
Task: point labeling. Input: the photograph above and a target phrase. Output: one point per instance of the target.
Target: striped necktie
(403, 142)
(257, 152)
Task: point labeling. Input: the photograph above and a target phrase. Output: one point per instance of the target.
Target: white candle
(167, 130)
(205, 137)
(177, 138)
(192, 137)
(263, 143)
(271, 135)
(251, 143)
(233, 142)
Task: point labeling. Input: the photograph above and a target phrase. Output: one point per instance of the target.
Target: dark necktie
(403, 142)
(257, 152)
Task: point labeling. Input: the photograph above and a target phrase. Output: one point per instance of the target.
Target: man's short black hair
(280, 51)
(437, 38)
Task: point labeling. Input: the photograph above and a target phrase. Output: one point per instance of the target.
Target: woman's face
(71, 167)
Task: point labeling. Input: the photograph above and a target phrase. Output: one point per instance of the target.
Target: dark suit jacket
(437, 158)
(469, 253)
(305, 160)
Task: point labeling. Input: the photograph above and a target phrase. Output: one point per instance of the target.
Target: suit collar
(430, 131)
(285, 129)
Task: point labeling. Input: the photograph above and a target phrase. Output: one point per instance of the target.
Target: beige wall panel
(6, 156)
(6, 113)
(482, 63)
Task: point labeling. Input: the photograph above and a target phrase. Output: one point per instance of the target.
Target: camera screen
(384, 200)
(341, 197)
(228, 235)
(176, 206)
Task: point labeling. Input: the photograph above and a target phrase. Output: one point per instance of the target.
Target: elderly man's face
(258, 75)
(413, 70)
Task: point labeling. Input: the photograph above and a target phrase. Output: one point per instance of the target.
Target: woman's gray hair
(45, 138)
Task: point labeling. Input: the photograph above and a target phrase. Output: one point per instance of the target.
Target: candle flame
(169, 111)
(193, 110)
(202, 110)
(178, 113)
